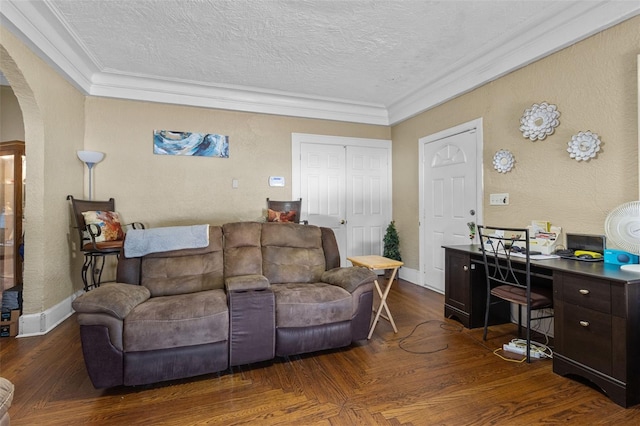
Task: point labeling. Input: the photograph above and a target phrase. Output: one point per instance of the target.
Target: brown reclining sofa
(257, 291)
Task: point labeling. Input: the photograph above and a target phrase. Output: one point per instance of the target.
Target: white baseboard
(411, 275)
(43, 322)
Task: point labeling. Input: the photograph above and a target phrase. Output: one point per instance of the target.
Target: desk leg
(383, 304)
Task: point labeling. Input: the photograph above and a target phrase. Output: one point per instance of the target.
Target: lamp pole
(90, 166)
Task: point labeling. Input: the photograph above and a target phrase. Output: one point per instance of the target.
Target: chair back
(289, 209)
(79, 206)
(511, 281)
(499, 247)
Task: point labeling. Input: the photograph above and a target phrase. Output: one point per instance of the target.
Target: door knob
(342, 222)
(472, 212)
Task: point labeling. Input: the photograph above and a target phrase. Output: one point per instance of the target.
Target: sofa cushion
(179, 320)
(308, 304)
(242, 254)
(292, 253)
(195, 270)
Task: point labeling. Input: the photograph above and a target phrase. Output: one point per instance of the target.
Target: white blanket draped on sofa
(140, 242)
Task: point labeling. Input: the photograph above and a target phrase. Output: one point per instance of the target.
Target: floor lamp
(90, 158)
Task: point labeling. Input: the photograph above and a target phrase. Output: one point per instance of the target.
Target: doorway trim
(461, 128)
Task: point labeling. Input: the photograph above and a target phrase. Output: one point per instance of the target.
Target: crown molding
(235, 98)
(38, 26)
(570, 24)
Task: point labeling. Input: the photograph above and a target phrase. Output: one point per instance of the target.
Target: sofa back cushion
(292, 253)
(242, 254)
(185, 271)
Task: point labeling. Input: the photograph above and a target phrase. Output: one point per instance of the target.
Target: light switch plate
(499, 199)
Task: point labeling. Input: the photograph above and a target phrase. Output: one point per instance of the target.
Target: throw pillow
(277, 216)
(109, 223)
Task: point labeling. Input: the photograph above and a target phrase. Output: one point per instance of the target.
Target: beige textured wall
(162, 190)
(11, 124)
(53, 113)
(594, 85)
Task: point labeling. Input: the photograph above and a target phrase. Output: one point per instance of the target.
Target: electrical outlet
(499, 199)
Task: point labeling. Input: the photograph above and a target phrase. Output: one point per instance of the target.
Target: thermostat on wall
(276, 181)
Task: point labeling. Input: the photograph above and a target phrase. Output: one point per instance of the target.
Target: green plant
(392, 243)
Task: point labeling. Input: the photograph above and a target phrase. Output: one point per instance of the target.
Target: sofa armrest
(349, 278)
(246, 282)
(115, 299)
(7, 390)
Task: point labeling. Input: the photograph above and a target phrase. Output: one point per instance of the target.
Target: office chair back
(284, 211)
(506, 254)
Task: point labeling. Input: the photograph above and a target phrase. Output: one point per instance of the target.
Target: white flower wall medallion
(503, 161)
(584, 145)
(539, 121)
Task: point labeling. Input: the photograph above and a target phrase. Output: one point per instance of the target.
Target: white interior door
(345, 185)
(449, 196)
(368, 200)
(323, 188)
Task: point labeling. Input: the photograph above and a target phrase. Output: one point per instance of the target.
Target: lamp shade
(91, 156)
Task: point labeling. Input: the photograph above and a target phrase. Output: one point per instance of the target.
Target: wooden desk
(596, 316)
(378, 262)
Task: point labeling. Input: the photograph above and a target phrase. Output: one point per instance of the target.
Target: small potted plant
(391, 244)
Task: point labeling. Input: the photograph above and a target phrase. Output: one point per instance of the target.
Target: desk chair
(284, 211)
(510, 279)
(96, 243)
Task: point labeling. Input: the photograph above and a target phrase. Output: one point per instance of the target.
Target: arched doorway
(33, 277)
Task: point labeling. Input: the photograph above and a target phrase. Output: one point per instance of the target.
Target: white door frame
(461, 128)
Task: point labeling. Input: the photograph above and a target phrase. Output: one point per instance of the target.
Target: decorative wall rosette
(584, 146)
(503, 161)
(539, 121)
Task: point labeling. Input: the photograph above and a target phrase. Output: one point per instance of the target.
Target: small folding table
(378, 262)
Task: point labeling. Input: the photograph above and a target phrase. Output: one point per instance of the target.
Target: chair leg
(528, 331)
(85, 268)
(96, 270)
(486, 315)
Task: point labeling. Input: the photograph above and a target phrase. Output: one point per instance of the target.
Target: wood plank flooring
(433, 371)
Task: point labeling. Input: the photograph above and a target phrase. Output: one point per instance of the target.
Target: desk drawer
(587, 337)
(587, 292)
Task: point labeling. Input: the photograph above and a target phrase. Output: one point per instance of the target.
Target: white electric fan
(622, 227)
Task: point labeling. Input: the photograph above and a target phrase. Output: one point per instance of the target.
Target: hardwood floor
(432, 372)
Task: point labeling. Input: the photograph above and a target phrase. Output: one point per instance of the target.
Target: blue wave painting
(168, 142)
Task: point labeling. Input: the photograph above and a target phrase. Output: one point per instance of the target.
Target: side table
(378, 262)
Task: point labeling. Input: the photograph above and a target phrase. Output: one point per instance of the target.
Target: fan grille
(622, 226)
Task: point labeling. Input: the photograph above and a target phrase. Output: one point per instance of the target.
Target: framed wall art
(169, 142)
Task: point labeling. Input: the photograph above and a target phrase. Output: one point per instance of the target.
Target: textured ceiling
(356, 50)
(366, 57)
